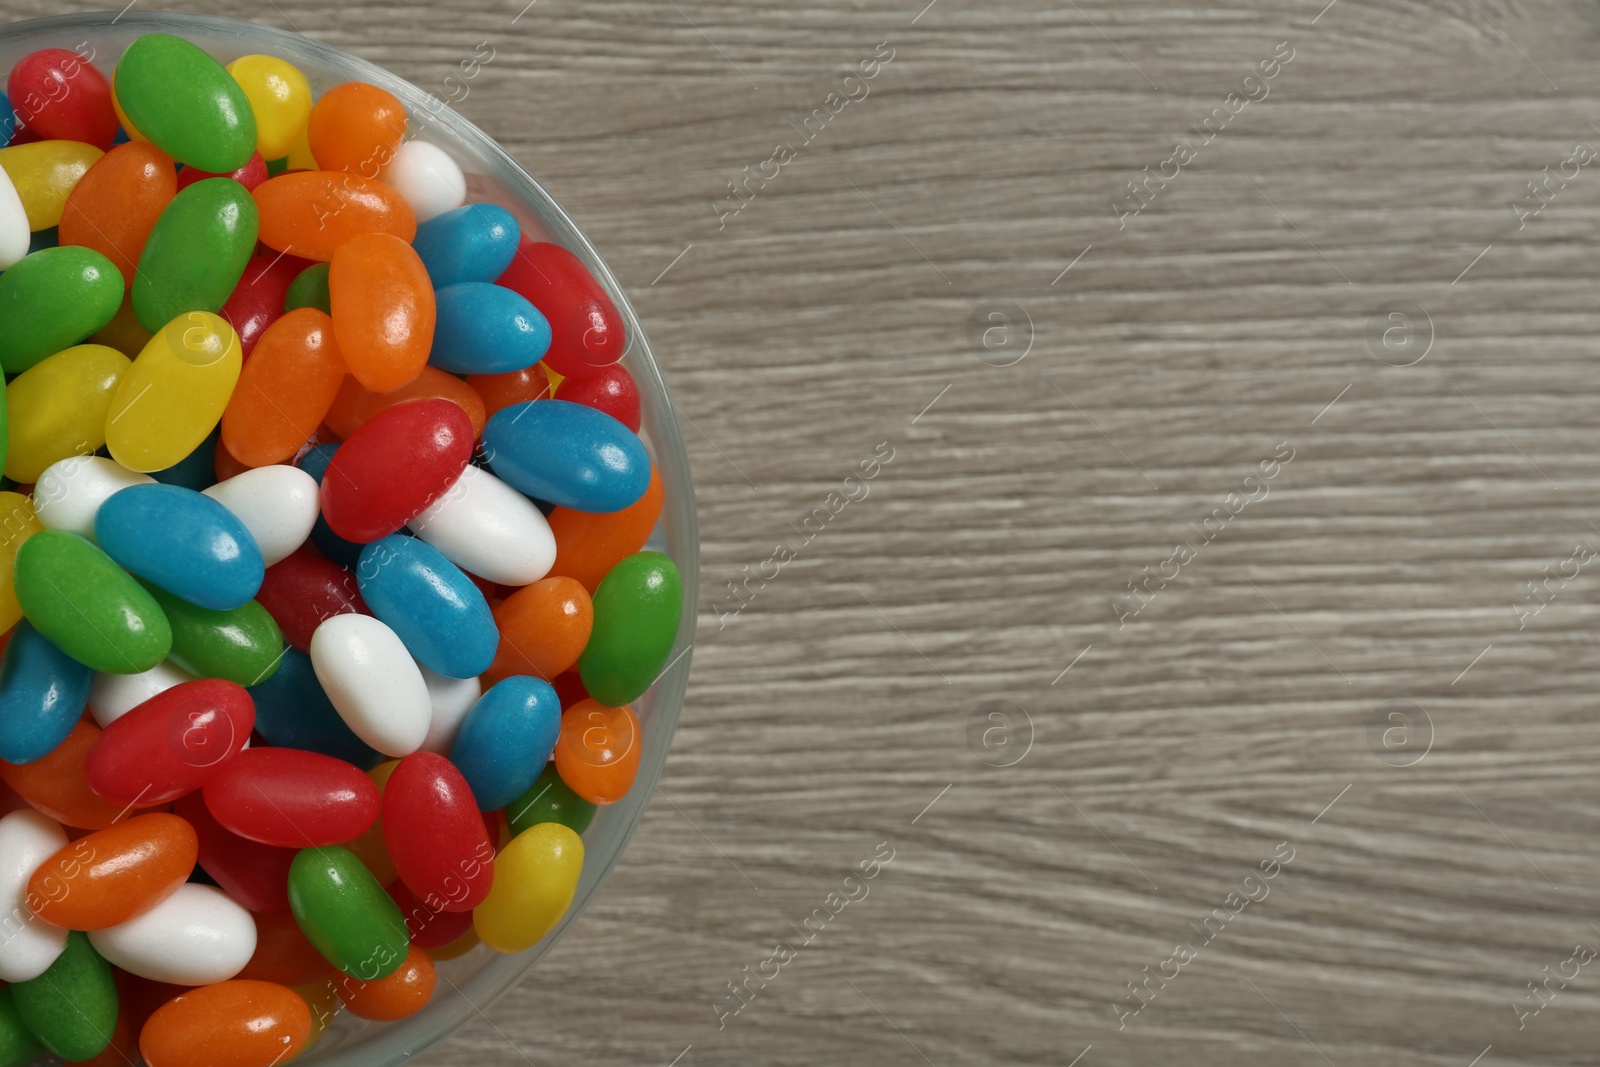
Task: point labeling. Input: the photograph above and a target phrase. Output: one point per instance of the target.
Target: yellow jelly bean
(370, 848)
(322, 997)
(17, 524)
(175, 392)
(124, 332)
(58, 408)
(280, 96)
(116, 105)
(44, 172)
(300, 157)
(534, 878)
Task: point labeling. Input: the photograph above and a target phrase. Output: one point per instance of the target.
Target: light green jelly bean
(243, 644)
(549, 799)
(52, 299)
(186, 103)
(345, 913)
(72, 1007)
(309, 290)
(89, 607)
(196, 253)
(636, 610)
(17, 1045)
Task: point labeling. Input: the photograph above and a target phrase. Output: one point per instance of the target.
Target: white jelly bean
(452, 698)
(69, 493)
(372, 682)
(114, 695)
(197, 936)
(429, 180)
(487, 528)
(277, 504)
(28, 946)
(14, 235)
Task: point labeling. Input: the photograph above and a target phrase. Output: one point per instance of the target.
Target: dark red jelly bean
(255, 875)
(436, 835)
(611, 391)
(302, 590)
(586, 333)
(252, 174)
(171, 744)
(393, 467)
(61, 96)
(428, 928)
(257, 301)
(292, 799)
(569, 689)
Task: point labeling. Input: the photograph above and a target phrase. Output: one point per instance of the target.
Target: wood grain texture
(1385, 562)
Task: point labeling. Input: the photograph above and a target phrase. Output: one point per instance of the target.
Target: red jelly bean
(612, 391)
(428, 928)
(303, 590)
(283, 953)
(393, 467)
(255, 875)
(587, 334)
(292, 799)
(61, 96)
(257, 301)
(436, 835)
(252, 174)
(171, 744)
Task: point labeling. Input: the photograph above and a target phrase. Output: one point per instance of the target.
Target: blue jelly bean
(568, 454)
(484, 328)
(197, 470)
(43, 692)
(506, 739)
(475, 243)
(183, 541)
(8, 120)
(50, 237)
(331, 545)
(292, 711)
(430, 604)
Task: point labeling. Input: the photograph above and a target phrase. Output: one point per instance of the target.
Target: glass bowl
(474, 981)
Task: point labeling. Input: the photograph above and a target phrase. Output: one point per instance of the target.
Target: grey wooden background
(1442, 860)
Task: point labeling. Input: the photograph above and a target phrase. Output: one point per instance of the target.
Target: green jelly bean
(276, 167)
(72, 1007)
(242, 644)
(186, 103)
(17, 1045)
(197, 252)
(636, 611)
(549, 800)
(309, 290)
(52, 299)
(345, 913)
(89, 607)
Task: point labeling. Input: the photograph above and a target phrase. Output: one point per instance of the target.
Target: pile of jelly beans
(323, 589)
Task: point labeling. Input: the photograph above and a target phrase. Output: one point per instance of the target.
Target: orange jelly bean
(355, 403)
(311, 213)
(116, 203)
(543, 628)
(588, 545)
(356, 127)
(124, 332)
(57, 785)
(397, 996)
(237, 1023)
(383, 310)
(112, 875)
(597, 754)
(513, 387)
(283, 952)
(284, 389)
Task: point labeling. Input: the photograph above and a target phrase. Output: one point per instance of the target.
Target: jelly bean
(457, 948)
(543, 629)
(27, 839)
(242, 645)
(397, 996)
(312, 213)
(52, 299)
(223, 463)
(63, 96)
(195, 471)
(283, 953)
(346, 914)
(183, 541)
(44, 174)
(208, 124)
(383, 310)
(598, 753)
(451, 698)
(277, 504)
(72, 1007)
(196, 936)
(314, 461)
(172, 744)
(123, 120)
(636, 613)
(356, 127)
(69, 492)
(567, 454)
(506, 739)
(369, 846)
(88, 606)
(549, 799)
(323, 1001)
(285, 389)
(485, 328)
(17, 523)
(15, 237)
(124, 332)
(114, 695)
(174, 394)
(8, 119)
(254, 874)
(587, 333)
(435, 835)
(535, 876)
(57, 786)
(475, 243)
(237, 1023)
(123, 1048)
(292, 711)
(290, 798)
(114, 874)
(58, 408)
(355, 405)
(433, 608)
(116, 203)
(429, 929)
(196, 253)
(303, 590)
(280, 100)
(252, 174)
(43, 691)
(18, 1046)
(612, 391)
(589, 545)
(365, 496)
(428, 178)
(309, 289)
(257, 301)
(373, 682)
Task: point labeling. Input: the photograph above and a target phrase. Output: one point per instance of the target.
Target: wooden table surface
(1227, 391)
